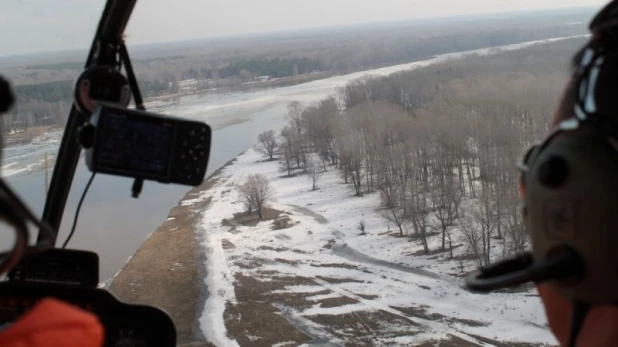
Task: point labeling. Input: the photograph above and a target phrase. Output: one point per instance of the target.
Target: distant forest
(439, 144)
(44, 90)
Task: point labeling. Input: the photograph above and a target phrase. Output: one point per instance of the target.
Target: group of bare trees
(439, 144)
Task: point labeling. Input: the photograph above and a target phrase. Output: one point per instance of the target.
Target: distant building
(263, 78)
(188, 85)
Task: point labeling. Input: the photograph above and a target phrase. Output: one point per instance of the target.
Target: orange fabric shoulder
(599, 329)
(54, 323)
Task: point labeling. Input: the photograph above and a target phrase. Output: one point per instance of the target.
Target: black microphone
(6, 95)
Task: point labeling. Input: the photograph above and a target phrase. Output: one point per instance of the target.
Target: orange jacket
(598, 330)
(54, 323)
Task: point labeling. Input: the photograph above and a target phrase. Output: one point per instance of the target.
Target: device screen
(136, 145)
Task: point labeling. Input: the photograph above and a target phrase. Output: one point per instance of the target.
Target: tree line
(339, 52)
(39, 104)
(276, 67)
(439, 144)
(49, 103)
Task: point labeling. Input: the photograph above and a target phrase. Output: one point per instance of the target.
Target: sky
(45, 25)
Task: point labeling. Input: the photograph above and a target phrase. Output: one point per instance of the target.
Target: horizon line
(420, 20)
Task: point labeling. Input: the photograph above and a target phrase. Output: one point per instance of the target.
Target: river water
(111, 222)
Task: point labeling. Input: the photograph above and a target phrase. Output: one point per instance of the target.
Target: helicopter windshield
(362, 161)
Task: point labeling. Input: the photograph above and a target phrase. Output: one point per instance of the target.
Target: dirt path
(307, 212)
(168, 269)
(349, 253)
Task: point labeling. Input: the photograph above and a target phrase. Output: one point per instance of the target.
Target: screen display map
(136, 145)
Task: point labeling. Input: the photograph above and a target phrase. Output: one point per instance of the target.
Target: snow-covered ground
(323, 258)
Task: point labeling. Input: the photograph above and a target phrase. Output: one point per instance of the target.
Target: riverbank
(168, 268)
(27, 135)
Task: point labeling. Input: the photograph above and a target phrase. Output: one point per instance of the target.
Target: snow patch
(190, 202)
(219, 281)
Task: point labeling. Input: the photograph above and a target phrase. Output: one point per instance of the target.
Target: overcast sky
(49, 25)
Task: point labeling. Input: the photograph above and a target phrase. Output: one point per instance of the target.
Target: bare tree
(256, 192)
(447, 198)
(471, 236)
(517, 240)
(418, 214)
(267, 143)
(352, 160)
(295, 108)
(487, 219)
(286, 149)
(247, 201)
(449, 238)
(478, 225)
(396, 216)
(361, 227)
(315, 169)
(392, 211)
(286, 162)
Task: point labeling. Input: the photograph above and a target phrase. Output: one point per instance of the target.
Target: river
(111, 222)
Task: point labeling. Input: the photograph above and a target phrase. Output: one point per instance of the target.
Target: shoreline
(168, 269)
(27, 135)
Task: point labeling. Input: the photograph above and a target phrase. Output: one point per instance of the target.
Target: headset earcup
(576, 210)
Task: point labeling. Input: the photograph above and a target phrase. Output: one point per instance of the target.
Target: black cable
(580, 310)
(79, 207)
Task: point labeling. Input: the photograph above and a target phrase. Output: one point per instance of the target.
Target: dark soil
(227, 244)
(167, 270)
(336, 302)
(334, 280)
(420, 312)
(338, 265)
(255, 315)
(363, 328)
(252, 219)
(415, 237)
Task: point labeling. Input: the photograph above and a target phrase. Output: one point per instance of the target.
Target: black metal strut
(104, 51)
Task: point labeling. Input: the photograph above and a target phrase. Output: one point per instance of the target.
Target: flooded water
(111, 222)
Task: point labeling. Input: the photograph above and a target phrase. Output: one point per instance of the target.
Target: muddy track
(344, 251)
(435, 326)
(349, 253)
